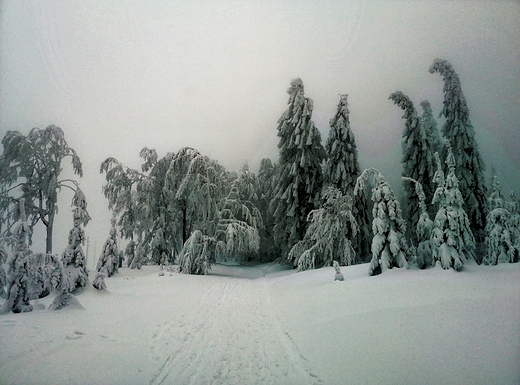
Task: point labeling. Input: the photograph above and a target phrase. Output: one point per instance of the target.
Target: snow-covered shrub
(73, 258)
(99, 281)
(389, 247)
(194, 257)
(339, 275)
(329, 234)
(452, 237)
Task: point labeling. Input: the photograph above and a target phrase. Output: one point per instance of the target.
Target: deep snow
(262, 324)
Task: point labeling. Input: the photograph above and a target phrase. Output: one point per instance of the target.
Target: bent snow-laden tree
(418, 159)
(194, 257)
(329, 236)
(342, 169)
(459, 132)
(424, 228)
(240, 220)
(30, 168)
(452, 237)
(389, 247)
(299, 171)
(159, 207)
(73, 257)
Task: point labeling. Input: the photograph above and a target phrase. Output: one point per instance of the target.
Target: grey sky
(121, 75)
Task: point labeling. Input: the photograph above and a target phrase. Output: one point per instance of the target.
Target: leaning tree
(418, 159)
(460, 134)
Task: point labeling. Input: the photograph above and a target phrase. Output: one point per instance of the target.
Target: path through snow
(233, 337)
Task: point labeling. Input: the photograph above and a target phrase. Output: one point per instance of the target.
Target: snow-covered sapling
(339, 275)
(109, 259)
(389, 247)
(73, 257)
(452, 237)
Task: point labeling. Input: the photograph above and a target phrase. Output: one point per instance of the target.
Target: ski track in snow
(214, 346)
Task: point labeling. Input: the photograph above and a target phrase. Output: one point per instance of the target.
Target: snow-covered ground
(262, 324)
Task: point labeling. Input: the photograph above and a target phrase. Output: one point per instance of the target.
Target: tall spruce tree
(459, 132)
(342, 170)
(300, 169)
(418, 160)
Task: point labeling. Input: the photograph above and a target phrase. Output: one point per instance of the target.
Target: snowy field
(265, 325)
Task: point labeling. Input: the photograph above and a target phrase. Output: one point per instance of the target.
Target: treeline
(310, 208)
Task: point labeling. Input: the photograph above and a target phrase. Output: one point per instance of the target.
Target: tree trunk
(48, 243)
(184, 220)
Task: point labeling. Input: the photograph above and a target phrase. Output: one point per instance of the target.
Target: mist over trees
(310, 208)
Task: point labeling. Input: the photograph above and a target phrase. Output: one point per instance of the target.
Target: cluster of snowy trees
(313, 207)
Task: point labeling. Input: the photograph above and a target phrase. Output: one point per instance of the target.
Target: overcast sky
(119, 75)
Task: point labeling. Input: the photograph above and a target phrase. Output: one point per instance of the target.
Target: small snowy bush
(339, 275)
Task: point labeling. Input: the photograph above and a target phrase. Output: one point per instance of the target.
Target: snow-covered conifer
(458, 131)
(389, 247)
(109, 259)
(452, 237)
(418, 159)
(194, 257)
(73, 257)
(240, 219)
(328, 237)
(342, 169)
(424, 228)
(299, 171)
